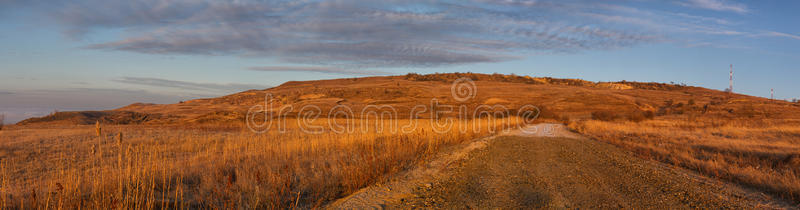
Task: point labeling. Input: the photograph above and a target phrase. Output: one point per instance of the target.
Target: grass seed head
(97, 128)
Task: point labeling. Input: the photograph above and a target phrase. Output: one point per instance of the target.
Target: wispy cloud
(717, 5)
(318, 69)
(691, 44)
(352, 33)
(698, 18)
(780, 34)
(359, 35)
(664, 21)
(191, 86)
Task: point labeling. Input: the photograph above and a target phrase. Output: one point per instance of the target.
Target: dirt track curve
(551, 168)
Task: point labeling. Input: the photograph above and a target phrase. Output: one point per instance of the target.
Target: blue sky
(100, 54)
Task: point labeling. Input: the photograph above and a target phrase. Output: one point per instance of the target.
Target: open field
(202, 154)
(760, 153)
(203, 167)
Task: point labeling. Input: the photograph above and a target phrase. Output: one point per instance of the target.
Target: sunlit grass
(759, 153)
(206, 167)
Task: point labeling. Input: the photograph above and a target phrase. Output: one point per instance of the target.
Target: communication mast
(730, 88)
(772, 93)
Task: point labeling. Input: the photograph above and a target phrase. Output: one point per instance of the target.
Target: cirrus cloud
(190, 86)
(717, 5)
(350, 33)
(318, 69)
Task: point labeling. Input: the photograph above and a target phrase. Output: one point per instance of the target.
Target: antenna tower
(730, 88)
(772, 93)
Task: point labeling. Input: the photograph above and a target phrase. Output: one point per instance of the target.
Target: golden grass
(204, 167)
(764, 154)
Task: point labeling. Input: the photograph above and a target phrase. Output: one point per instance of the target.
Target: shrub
(604, 115)
(649, 115)
(639, 116)
(668, 103)
(663, 111)
(564, 119)
(636, 117)
(545, 113)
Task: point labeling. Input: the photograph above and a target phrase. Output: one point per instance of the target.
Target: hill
(558, 98)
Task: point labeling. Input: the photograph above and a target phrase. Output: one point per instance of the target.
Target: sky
(105, 54)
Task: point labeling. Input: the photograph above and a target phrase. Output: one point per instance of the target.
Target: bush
(636, 117)
(545, 113)
(604, 115)
(639, 116)
(564, 119)
(649, 115)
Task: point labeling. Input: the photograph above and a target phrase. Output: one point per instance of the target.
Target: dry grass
(567, 97)
(203, 167)
(760, 153)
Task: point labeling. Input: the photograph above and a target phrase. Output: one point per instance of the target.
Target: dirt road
(554, 168)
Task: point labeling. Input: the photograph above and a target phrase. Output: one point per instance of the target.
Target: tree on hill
(2, 118)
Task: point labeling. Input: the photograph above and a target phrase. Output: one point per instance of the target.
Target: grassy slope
(568, 98)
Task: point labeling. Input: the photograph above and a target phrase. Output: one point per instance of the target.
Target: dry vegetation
(760, 153)
(747, 140)
(564, 96)
(145, 167)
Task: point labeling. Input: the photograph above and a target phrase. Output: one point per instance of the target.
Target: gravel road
(558, 170)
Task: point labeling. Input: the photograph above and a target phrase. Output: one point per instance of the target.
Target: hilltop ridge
(558, 98)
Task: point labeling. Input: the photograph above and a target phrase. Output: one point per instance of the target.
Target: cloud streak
(318, 69)
(24, 104)
(362, 35)
(190, 86)
(779, 34)
(717, 5)
(355, 34)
